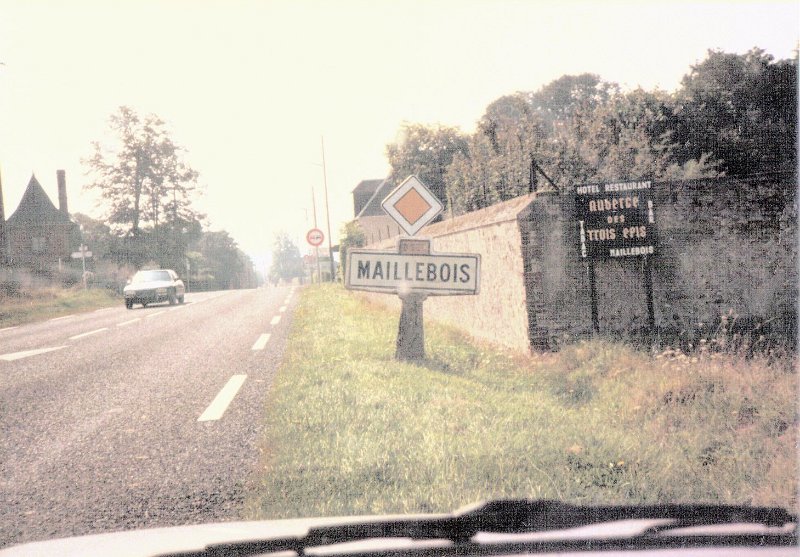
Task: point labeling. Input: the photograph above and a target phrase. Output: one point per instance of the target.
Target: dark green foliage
(351, 236)
(426, 151)
(734, 114)
(742, 109)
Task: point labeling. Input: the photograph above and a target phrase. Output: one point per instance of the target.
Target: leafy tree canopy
(426, 151)
(286, 260)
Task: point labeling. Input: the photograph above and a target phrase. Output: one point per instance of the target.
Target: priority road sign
(412, 205)
(315, 237)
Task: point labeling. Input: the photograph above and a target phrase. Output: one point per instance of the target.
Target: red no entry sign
(315, 237)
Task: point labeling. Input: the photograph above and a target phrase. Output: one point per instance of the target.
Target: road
(119, 419)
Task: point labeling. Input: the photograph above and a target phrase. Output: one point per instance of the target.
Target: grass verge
(27, 306)
(351, 431)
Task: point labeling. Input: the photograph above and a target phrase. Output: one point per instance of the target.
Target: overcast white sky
(250, 87)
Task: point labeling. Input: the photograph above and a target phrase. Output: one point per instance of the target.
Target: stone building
(38, 236)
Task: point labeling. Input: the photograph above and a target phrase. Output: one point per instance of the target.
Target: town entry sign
(412, 272)
(435, 274)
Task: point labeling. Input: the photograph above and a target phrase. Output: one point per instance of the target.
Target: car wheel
(144, 304)
(172, 299)
(129, 304)
(180, 299)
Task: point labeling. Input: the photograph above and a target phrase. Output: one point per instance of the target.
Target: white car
(154, 286)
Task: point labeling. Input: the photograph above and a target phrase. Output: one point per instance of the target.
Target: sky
(253, 89)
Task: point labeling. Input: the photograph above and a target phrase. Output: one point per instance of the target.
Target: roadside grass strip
(27, 306)
(351, 431)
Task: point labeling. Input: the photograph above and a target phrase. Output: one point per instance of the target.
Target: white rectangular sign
(436, 274)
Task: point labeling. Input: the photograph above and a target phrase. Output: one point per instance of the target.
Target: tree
(145, 186)
(351, 236)
(223, 265)
(426, 151)
(742, 110)
(286, 261)
(628, 137)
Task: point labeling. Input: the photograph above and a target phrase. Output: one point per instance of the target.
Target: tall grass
(26, 305)
(349, 430)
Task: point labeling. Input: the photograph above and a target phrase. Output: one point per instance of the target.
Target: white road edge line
(8, 328)
(103, 309)
(129, 322)
(62, 317)
(275, 320)
(76, 337)
(218, 406)
(261, 342)
(27, 353)
(156, 313)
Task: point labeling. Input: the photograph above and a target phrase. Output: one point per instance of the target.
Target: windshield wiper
(520, 516)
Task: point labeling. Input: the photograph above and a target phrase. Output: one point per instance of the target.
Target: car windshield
(150, 276)
(291, 259)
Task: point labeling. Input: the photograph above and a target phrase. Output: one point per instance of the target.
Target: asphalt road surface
(120, 419)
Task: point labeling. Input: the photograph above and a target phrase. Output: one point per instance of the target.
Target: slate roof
(380, 189)
(36, 209)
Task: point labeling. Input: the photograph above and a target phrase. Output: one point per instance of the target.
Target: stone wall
(498, 313)
(725, 247)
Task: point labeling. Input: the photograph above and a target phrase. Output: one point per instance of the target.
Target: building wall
(378, 228)
(57, 243)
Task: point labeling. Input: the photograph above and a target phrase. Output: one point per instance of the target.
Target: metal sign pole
(648, 285)
(593, 296)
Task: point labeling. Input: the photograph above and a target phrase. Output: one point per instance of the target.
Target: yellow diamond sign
(412, 205)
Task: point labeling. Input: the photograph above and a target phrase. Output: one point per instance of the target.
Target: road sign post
(413, 271)
(315, 237)
(82, 253)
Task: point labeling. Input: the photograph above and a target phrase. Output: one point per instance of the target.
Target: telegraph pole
(327, 211)
(316, 248)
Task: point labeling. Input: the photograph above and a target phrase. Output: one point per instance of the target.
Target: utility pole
(327, 211)
(316, 248)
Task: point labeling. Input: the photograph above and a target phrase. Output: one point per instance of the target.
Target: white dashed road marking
(275, 320)
(28, 353)
(62, 317)
(282, 309)
(261, 342)
(76, 337)
(218, 406)
(124, 323)
(156, 313)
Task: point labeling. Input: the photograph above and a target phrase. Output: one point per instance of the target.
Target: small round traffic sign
(315, 237)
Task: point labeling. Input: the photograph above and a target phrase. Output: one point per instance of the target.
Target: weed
(350, 430)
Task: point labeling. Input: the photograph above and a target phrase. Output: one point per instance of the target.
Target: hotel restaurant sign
(615, 220)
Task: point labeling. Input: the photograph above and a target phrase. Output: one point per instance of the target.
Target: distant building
(39, 236)
(373, 220)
